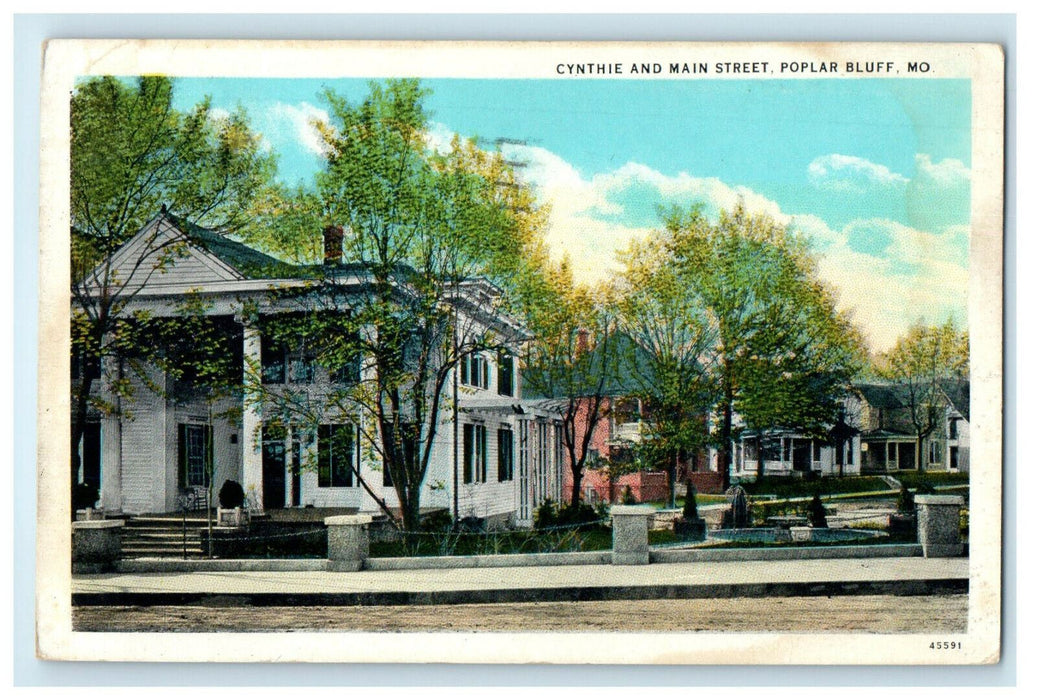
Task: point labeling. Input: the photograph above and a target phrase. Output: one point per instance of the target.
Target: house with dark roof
(793, 452)
(494, 456)
(623, 423)
(889, 442)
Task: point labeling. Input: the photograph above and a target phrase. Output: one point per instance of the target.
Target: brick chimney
(583, 340)
(333, 245)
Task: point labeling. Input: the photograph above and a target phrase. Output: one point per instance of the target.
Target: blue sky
(875, 172)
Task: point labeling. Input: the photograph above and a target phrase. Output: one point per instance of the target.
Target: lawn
(783, 487)
(913, 479)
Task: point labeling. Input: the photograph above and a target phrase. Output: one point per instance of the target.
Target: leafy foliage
(418, 226)
(919, 362)
(780, 355)
(132, 154)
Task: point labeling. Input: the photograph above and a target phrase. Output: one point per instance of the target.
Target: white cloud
(218, 114)
(851, 174)
(439, 138)
(916, 274)
(949, 172)
(301, 120)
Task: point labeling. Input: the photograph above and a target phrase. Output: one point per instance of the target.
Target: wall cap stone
(97, 524)
(632, 510)
(348, 520)
(933, 500)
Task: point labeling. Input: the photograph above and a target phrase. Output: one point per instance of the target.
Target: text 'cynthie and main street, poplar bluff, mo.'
(744, 68)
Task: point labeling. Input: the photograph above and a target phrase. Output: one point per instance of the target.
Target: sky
(876, 173)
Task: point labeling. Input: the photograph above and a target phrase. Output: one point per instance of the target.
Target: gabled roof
(957, 393)
(620, 382)
(882, 395)
(893, 396)
(251, 263)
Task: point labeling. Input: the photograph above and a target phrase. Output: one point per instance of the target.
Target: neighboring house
(607, 472)
(495, 455)
(888, 439)
(792, 453)
(623, 423)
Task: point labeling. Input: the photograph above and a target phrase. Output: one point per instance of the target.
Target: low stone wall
(707, 554)
(96, 546)
(489, 561)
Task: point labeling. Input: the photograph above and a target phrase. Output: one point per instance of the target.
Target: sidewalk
(890, 576)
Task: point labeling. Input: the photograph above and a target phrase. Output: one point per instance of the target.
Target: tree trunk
(574, 497)
(671, 479)
(724, 456)
(759, 457)
(919, 462)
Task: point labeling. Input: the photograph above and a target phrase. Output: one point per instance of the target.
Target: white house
(494, 455)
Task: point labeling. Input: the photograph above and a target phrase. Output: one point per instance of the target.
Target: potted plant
(690, 526)
(816, 511)
(232, 498)
(904, 522)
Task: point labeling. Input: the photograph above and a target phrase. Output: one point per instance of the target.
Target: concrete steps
(163, 536)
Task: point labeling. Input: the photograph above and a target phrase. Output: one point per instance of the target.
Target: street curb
(917, 587)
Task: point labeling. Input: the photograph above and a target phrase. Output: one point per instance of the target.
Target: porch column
(252, 418)
(111, 439)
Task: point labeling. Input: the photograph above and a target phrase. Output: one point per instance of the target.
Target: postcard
(465, 352)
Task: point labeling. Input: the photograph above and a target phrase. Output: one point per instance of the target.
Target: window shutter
(181, 476)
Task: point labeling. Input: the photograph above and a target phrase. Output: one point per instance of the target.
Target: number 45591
(939, 646)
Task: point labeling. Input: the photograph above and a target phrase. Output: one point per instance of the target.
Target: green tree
(921, 359)
(421, 228)
(781, 353)
(132, 155)
(667, 363)
(572, 360)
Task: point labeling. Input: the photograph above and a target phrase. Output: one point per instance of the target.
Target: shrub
(471, 523)
(580, 514)
(546, 515)
(691, 509)
(438, 521)
(924, 488)
(84, 496)
(906, 500)
(628, 497)
(816, 512)
(231, 495)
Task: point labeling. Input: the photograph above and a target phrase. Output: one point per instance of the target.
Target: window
(505, 374)
(335, 455)
(281, 365)
(195, 443)
(475, 371)
(849, 452)
(273, 358)
(302, 366)
(954, 459)
(474, 453)
(952, 428)
(771, 449)
(626, 411)
(346, 373)
(505, 454)
(934, 452)
(817, 451)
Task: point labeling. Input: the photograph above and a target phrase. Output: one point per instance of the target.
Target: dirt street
(805, 614)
